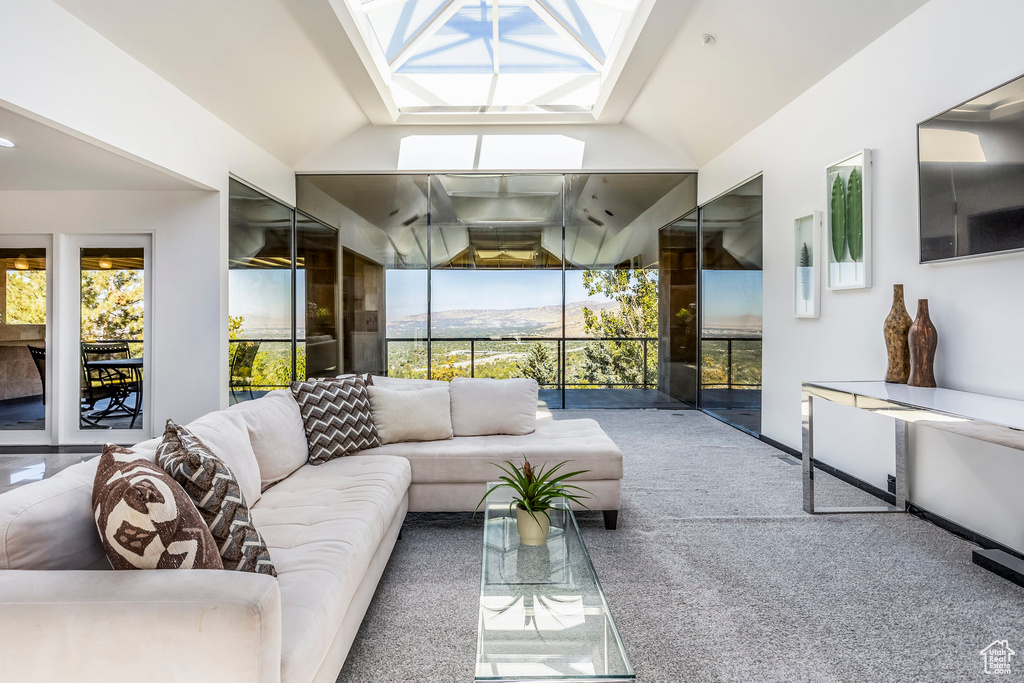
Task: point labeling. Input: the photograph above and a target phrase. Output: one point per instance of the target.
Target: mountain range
(537, 321)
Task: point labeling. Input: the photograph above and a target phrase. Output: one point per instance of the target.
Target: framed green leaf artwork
(847, 229)
(807, 274)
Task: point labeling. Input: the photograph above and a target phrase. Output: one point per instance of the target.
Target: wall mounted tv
(971, 176)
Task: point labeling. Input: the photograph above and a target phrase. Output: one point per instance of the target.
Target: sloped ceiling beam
(556, 24)
(420, 37)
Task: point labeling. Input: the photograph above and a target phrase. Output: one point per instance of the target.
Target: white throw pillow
(277, 434)
(481, 407)
(399, 384)
(410, 415)
(225, 434)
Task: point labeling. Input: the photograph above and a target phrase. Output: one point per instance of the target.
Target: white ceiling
(283, 72)
(247, 61)
(701, 99)
(45, 158)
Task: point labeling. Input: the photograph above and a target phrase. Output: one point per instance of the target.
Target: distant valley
(528, 322)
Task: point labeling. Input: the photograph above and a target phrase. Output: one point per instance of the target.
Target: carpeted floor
(715, 574)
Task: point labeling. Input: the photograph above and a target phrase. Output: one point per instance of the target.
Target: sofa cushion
(420, 415)
(276, 433)
(472, 458)
(218, 498)
(323, 525)
(226, 435)
(336, 416)
(145, 519)
(481, 407)
(400, 384)
(49, 524)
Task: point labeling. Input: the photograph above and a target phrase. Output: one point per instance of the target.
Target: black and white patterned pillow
(337, 417)
(216, 494)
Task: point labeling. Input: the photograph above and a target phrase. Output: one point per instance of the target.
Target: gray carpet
(715, 574)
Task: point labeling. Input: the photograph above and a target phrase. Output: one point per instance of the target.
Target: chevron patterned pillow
(216, 494)
(337, 417)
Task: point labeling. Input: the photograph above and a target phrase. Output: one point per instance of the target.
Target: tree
(614, 360)
(112, 304)
(538, 364)
(26, 297)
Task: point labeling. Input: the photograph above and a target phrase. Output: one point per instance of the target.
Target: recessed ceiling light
(4, 142)
(707, 39)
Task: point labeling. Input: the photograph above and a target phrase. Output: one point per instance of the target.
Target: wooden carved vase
(923, 340)
(897, 326)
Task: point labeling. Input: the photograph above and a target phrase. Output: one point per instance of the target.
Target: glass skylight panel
(451, 55)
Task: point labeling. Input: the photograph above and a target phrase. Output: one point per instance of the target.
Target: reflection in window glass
(113, 317)
(731, 292)
(260, 348)
(316, 312)
(23, 353)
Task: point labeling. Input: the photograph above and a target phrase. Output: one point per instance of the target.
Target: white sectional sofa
(65, 616)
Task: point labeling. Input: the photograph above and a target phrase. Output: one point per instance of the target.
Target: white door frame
(45, 435)
(69, 311)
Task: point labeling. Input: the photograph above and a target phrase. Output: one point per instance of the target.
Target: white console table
(986, 418)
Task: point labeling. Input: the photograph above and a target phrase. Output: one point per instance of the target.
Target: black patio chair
(242, 361)
(116, 385)
(39, 358)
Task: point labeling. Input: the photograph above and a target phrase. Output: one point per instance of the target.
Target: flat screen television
(971, 176)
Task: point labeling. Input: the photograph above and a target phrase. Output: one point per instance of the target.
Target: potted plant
(534, 493)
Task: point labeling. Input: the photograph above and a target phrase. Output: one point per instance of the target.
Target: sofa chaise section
(451, 475)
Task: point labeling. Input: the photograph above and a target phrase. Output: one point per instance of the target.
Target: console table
(986, 418)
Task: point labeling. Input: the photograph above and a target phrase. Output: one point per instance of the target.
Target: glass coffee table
(543, 615)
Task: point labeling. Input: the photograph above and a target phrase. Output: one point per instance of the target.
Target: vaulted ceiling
(289, 75)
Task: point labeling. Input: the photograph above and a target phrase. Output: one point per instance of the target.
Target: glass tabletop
(543, 615)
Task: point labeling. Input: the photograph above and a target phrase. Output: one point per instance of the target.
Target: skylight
(494, 56)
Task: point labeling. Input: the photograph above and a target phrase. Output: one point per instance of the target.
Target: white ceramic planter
(532, 531)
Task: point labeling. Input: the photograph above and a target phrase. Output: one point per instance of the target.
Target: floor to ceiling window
(283, 295)
(731, 294)
(549, 276)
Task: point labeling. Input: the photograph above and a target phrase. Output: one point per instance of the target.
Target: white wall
(497, 148)
(60, 72)
(945, 53)
(185, 347)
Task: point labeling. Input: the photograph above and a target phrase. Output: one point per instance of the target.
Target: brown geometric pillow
(216, 494)
(145, 519)
(336, 415)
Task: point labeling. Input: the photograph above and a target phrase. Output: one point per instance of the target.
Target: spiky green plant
(855, 216)
(805, 280)
(838, 218)
(535, 490)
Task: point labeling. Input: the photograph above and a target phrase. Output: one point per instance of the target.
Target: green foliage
(746, 364)
(236, 325)
(855, 216)
(534, 490)
(539, 365)
(112, 304)
(273, 365)
(838, 218)
(805, 278)
(26, 297)
(611, 361)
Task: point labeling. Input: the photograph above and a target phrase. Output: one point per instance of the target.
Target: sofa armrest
(151, 625)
